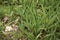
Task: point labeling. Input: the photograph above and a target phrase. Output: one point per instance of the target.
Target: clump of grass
(39, 19)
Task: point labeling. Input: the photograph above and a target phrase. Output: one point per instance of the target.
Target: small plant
(29, 19)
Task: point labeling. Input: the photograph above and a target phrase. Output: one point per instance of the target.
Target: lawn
(29, 19)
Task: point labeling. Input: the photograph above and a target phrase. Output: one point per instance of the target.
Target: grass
(39, 19)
